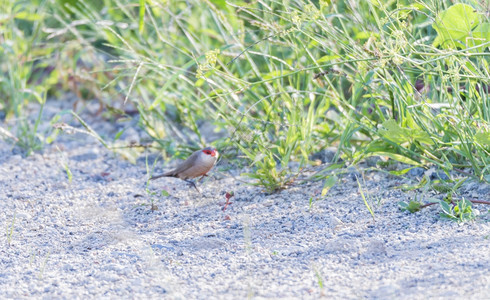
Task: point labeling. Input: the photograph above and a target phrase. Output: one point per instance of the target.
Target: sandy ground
(97, 236)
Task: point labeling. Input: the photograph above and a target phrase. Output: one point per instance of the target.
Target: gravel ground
(97, 236)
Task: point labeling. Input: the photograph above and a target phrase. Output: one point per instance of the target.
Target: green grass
(400, 79)
(10, 230)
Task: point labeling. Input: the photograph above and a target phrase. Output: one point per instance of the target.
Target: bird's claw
(194, 185)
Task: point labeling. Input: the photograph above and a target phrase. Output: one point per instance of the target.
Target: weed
(413, 206)
(365, 199)
(228, 196)
(43, 265)
(319, 281)
(462, 211)
(10, 231)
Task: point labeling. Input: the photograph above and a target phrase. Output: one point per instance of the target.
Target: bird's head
(211, 152)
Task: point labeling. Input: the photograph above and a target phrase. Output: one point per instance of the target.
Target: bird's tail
(168, 174)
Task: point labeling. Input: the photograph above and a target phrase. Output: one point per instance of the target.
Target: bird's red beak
(213, 153)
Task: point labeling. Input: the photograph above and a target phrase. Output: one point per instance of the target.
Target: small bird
(198, 164)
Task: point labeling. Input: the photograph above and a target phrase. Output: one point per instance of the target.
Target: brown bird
(198, 164)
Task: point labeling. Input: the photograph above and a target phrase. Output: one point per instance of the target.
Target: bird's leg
(205, 175)
(194, 185)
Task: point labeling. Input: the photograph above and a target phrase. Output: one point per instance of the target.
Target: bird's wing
(188, 163)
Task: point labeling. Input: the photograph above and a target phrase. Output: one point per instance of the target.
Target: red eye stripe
(210, 152)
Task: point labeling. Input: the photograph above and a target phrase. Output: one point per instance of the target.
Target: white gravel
(97, 236)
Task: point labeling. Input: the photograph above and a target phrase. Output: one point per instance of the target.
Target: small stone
(416, 172)
(325, 156)
(439, 175)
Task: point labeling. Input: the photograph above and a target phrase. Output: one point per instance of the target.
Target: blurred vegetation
(407, 80)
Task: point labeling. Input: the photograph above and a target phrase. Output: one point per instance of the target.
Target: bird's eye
(207, 152)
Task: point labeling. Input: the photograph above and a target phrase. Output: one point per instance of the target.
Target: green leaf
(454, 24)
(421, 136)
(363, 35)
(142, 16)
(118, 135)
(365, 199)
(464, 210)
(28, 16)
(480, 35)
(220, 3)
(483, 138)
(412, 207)
(446, 209)
(397, 157)
(52, 136)
(393, 132)
(199, 82)
(329, 182)
(275, 74)
(69, 174)
(459, 183)
(400, 172)
(327, 58)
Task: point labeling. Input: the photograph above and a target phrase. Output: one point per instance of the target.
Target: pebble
(439, 175)
(416, 172)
